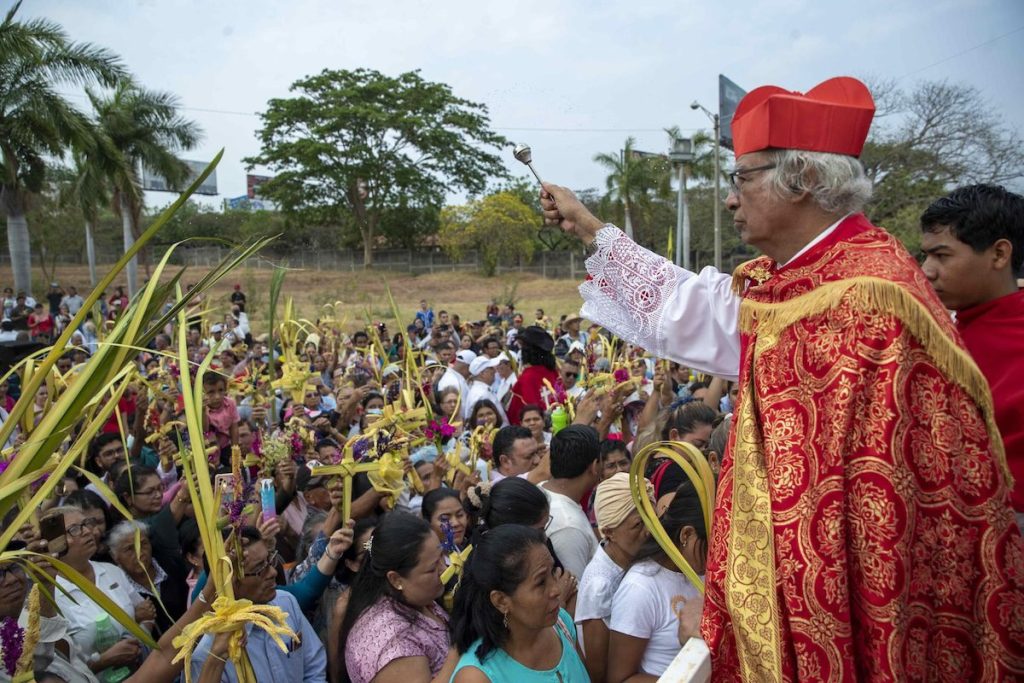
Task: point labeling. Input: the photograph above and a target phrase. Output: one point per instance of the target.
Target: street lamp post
(682, 152)
(718, 181)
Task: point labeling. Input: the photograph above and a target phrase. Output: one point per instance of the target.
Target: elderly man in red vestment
(973, 242)
(862, 527)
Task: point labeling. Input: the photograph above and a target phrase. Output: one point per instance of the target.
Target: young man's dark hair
(573, 450)
(505, 438)
(979, 216)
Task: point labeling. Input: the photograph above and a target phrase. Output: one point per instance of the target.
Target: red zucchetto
(834, 116)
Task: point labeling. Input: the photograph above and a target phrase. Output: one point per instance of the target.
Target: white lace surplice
(673, 313)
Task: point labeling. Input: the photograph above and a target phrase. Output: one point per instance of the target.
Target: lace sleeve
(647, 300)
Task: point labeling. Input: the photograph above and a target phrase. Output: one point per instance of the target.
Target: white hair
(125, 530)
(835, 181)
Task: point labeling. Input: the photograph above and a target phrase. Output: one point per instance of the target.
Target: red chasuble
(862, 527)
(994, 334)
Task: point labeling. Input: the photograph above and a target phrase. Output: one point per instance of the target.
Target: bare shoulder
(470, 674)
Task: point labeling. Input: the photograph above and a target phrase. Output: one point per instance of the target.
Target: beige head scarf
(613, 501)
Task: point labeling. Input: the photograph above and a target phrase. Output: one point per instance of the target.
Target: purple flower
(4, 464)
(383, 441)
(446, 429)
(360, 449)
(257, 444)
(12, 638)
(448, 544)
(621, 375)
(298, 445)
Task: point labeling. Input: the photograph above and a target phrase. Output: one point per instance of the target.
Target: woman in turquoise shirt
(507, 623)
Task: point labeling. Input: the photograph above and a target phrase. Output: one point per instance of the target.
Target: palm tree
(145, 128)
(36, 122)
(89, 186)
(632, 179)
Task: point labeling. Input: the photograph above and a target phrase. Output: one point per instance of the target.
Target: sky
(571, 78)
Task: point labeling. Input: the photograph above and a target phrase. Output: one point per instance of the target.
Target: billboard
(243, 203)
(729, 96)
(252, 184)
(154, 182)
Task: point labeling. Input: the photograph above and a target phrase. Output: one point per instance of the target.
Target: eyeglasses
(159, 490)
(15, 570)
(271, 561)
(76, 530)
(736, 178)
(111, 452)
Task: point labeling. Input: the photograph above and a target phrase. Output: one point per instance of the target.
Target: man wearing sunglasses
(863, 516)
(304, 658)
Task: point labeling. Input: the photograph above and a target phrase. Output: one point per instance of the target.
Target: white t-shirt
(570, 532)
(111, 581)
(597, 586)
(645, 605)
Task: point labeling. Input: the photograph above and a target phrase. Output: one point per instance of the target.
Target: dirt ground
(364, 293)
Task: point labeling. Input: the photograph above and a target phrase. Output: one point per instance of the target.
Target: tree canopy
(360, 145)
(501, 226)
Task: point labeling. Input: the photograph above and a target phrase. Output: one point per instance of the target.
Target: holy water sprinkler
(522, 153)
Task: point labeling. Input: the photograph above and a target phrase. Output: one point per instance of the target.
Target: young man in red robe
(973, 242)
(862, 527)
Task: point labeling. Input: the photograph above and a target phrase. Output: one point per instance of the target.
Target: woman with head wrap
(623, 533)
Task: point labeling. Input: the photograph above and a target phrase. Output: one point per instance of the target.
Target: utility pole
(681, 152)
(718, 195)
(718, 180)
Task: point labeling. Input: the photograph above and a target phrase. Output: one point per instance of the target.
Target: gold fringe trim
(740, 276)
(872, 293)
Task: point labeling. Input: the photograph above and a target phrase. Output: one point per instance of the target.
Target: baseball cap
(217, 328)
(481, 363)
(466, 356)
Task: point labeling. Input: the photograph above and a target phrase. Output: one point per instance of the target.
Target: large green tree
(37, 60)
(360, 144)
(145, 127)
(501, 227)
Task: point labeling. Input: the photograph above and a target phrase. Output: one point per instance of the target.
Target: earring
(399, 588)
(504, 620)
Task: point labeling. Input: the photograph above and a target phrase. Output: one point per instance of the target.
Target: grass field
(364, 293)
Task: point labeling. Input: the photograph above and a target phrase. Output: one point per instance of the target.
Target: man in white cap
(482, 371)
(456, 375)
(504, 378)
(217, 341)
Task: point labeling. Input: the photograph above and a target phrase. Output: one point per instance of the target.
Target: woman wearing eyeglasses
(81, 612)
(141, 491)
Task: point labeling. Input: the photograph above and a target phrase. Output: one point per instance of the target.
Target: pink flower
(621, 375)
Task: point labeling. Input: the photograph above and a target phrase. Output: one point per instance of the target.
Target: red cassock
(862, 525)
(994, 334)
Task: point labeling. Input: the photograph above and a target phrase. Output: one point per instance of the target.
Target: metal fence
(566, 264)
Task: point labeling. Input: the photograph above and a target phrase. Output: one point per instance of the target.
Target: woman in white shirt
(81, 612)
(644, 626)
(624, 533)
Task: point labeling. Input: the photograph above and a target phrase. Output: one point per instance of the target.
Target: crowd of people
(458, 501)
(365, 595)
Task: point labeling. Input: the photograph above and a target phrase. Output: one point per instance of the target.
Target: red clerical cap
(834, 116)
